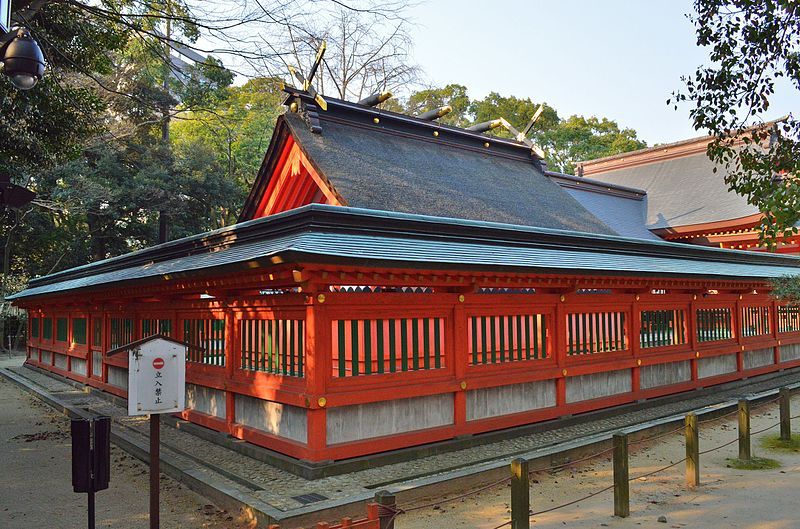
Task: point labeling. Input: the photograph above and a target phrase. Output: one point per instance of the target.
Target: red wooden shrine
(331, 341)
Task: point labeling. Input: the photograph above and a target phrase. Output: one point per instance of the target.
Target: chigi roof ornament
(305, 82)
(521, 137)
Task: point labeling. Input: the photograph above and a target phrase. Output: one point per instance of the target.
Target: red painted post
(232, 355)
(691, 324)
(737, 322)
(635, 341)
(559, 338)
(318, 352)
(458, 344)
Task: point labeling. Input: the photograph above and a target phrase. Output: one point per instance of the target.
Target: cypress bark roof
(399, 164)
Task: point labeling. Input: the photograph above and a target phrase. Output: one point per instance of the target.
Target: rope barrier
(573, 502)
(398, 511)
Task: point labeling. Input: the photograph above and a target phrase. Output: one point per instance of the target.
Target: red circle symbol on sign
(158, 363)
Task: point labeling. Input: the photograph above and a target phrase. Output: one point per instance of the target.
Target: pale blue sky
(619, 59)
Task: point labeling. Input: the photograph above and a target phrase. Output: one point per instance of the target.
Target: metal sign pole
(91, 509)
(155, 459)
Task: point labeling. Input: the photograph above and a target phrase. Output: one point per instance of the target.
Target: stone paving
(279, 486)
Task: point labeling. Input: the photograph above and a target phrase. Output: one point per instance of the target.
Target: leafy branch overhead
(754, 51)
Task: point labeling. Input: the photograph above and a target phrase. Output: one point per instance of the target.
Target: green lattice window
(788, 318)
(47, 328)
(209, 337)
(61, 329)
(97, 332)
(155, 326)
(34, 327)
(79, 330)
(755, 321)
(121, 332)
(367, 347)
(714, 324)
(274, 346)
(596, 332)
(508, 338)
(662, 327)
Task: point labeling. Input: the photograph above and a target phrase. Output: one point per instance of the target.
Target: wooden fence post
(387, 508)
(744, 429)
(786, 420)
(520, 494)
(692, 451)
(622, 498)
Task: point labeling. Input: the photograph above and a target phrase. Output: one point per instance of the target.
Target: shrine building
(393, 281)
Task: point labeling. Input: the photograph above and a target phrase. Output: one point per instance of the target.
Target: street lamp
(22, 59)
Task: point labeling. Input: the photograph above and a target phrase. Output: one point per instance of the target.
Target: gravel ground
(36, 486)
(727, 498)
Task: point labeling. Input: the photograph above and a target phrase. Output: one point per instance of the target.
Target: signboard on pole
(5, 16)
(156, 377)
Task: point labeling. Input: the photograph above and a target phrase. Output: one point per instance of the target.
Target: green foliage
(754, 463)
(517, 111)
(454, 95)
(774, 442)
(578, 138)
(787, 289)
(237, 130)
(565, 141)
(751, 45)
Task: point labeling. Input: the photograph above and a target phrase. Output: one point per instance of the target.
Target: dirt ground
(36, 492)
(727, 498)
(36, 487)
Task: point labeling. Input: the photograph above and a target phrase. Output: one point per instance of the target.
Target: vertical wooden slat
(415, 343)
(437, 341)
(426, 343)
(367, 347)
(340, 338)
(473, 335)
(404, 344)
(392, 346)
(355, 355)
(502, 333)
(380, 352)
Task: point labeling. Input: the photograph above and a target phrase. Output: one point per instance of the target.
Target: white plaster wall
(716, 365)
(377, 419)
(597, 385)
(665, 374)
(757, 358)
(278, 419)
(790, 352)
(78, 366)
(118, 376)
(504, 400)
(205, 400)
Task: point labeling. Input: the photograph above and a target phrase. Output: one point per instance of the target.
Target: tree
(237, 129)
(578, 138)
(454, 95)
(516, 111)
(753, 45)
(368, 49)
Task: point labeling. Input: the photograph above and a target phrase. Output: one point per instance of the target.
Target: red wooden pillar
(635, 340)
(233, 346)
(458, 344)
(318, 367)
(691, 324)
(737, 328)
(559, 326)
(773, 321)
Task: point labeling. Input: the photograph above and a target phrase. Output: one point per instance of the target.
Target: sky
(619, 59)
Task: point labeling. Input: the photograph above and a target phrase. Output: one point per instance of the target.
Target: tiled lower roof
(318, 233)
